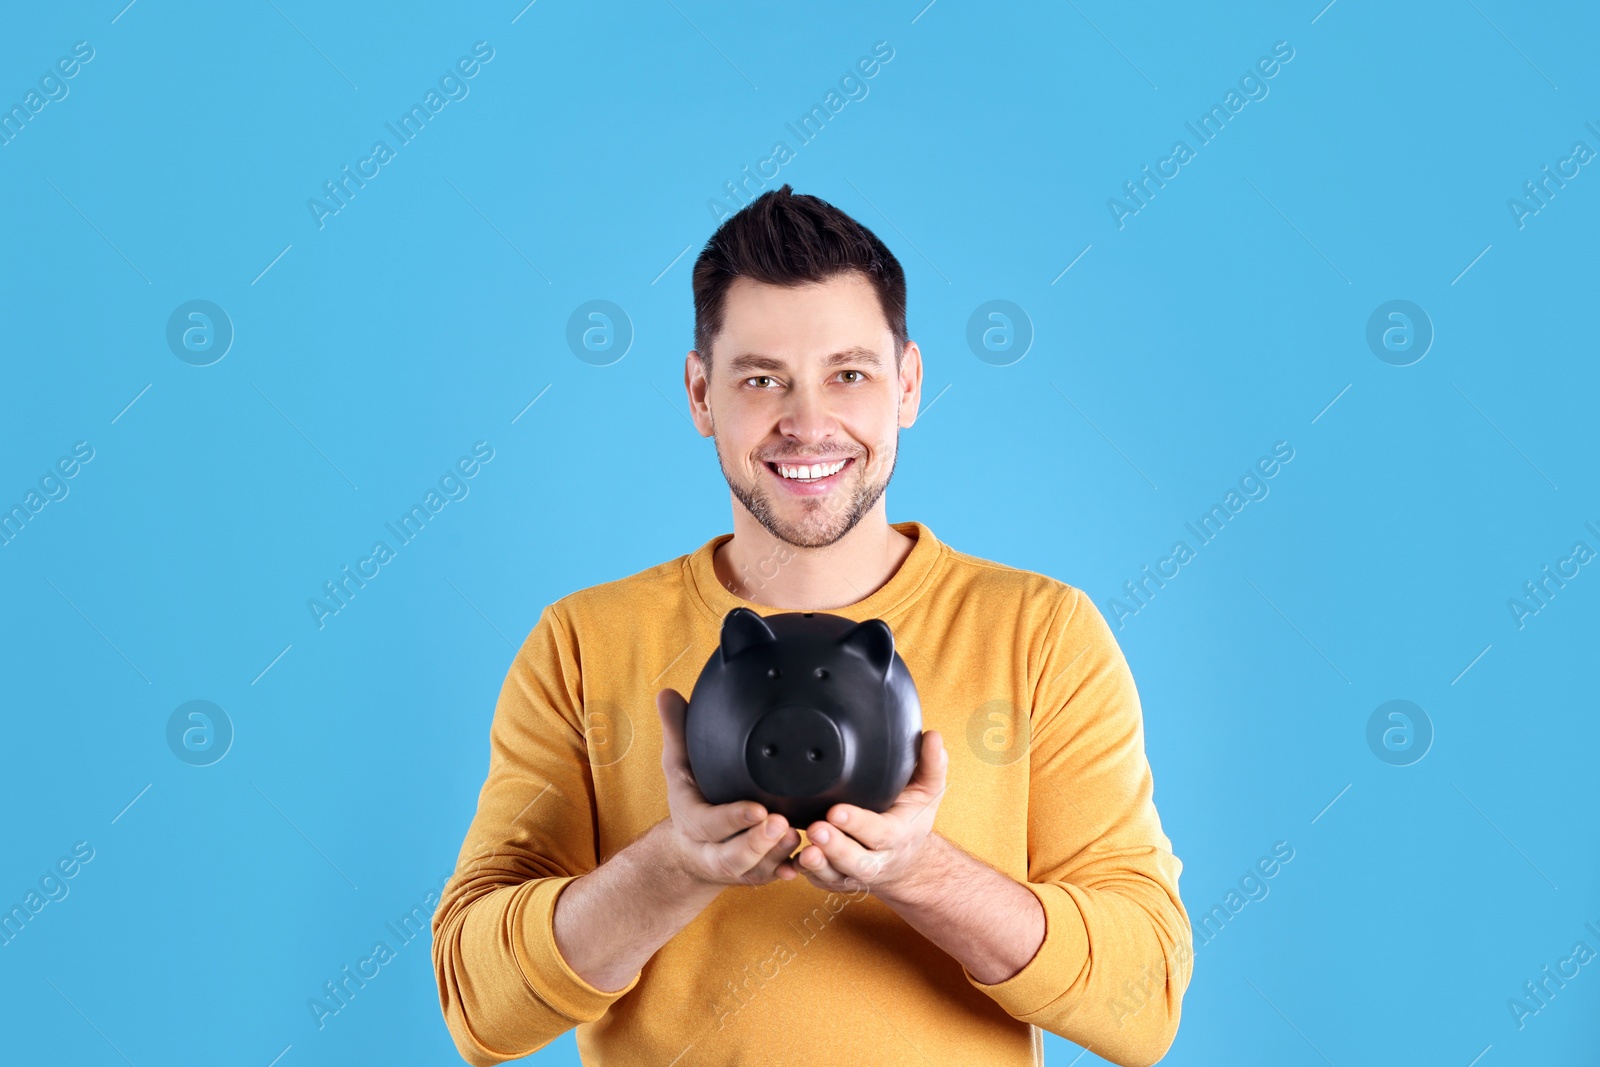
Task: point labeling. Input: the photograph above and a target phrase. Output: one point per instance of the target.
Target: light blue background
(426, 315)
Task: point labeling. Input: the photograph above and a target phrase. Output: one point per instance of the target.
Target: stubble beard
(824, 520)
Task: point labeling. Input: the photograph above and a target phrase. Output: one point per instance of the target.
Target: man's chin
(803, 524)
(809, 535)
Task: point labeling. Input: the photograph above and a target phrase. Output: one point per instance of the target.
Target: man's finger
(868, 827)
(683, 795)
(845, 855)
(932, 762)
(813, 863)
(789, 868)
(720, 822)
(745, 851)
(768, 867)
(671, 706)
(927, 785)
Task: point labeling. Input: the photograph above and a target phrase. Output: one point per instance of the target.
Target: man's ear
(697, 386)
(910, 384)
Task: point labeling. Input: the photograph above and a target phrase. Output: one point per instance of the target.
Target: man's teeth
(813, 472)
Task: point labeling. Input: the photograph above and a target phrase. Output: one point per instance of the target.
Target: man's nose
(806, 416)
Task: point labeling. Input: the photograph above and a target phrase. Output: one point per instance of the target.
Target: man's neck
(758, 567)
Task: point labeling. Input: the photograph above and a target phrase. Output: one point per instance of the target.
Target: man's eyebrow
(751, 361)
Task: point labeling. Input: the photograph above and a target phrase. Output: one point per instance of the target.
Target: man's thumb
(671, 707)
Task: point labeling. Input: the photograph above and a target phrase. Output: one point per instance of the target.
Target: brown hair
(787, 238)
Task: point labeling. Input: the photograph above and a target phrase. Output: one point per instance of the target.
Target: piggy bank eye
(773, 672)
(821, 672)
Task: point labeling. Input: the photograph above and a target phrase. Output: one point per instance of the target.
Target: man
(1021, 882)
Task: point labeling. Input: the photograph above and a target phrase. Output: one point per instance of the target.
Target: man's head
(801, 358)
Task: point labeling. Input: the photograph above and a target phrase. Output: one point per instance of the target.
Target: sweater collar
(898, 592)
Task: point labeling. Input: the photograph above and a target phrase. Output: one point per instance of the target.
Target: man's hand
(716, 844)
(856, 847)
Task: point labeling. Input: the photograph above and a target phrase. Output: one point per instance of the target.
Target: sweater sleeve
(504, 987)
(1117, 953)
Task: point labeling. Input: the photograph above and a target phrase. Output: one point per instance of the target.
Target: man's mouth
(814, 477)
(808, 472)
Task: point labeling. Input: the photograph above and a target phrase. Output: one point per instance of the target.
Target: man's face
(802, 377)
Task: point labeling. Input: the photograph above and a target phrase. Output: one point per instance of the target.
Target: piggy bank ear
(742, 629)
(874, 640)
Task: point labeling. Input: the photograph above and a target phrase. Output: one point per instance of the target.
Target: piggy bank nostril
(771, 750)
(821, 672)
(814, 754)
(773, 672)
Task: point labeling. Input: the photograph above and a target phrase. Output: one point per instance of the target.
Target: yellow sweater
(1047, 782)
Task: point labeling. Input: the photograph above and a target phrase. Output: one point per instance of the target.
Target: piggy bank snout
(795, 751)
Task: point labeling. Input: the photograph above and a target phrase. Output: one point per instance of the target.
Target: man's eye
(760, 378)
(850, 372)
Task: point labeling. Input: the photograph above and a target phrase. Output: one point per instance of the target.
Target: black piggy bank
(801, 711)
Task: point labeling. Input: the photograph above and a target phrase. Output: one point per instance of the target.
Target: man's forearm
(987, 920)
(613, 919)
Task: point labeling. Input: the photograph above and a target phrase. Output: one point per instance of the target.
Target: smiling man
(1022, 881)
